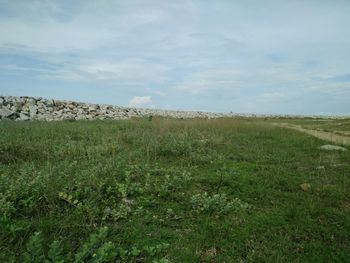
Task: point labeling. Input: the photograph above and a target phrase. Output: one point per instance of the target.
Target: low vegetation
(163, 190)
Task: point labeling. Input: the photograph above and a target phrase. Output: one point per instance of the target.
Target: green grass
(165, 190)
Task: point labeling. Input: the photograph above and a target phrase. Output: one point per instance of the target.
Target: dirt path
(327, 136)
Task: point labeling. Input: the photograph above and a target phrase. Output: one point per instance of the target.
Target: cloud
(140, 101)
(131, 71)
(274, 96)
(123, 71)
(340, 78)
(218, 80)
(213, 55)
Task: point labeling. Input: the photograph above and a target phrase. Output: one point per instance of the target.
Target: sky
(272, 56)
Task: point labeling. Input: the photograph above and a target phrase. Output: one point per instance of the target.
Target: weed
(217, 203)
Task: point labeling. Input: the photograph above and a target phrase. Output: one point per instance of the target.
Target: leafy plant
(115, 214)
(34, 249)
(89, 249)
(55, 253)
(69, 199)
(217, 203)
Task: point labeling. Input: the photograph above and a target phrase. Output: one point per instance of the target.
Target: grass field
(225, 190)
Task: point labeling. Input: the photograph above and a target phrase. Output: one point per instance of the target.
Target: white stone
(33, 110)
(31, 101)
(23, 117)
(92, 108)
(6, 113)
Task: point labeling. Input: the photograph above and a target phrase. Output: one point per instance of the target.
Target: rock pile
(29, 108)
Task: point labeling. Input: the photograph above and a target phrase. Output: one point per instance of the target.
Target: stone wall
(29, 108)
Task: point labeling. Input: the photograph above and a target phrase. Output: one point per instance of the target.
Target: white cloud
(130, 71)
(211, 80)
(140, 101)
(198, 54)
(231, 80)
(272, 96)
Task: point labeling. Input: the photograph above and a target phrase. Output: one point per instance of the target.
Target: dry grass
(323, 135)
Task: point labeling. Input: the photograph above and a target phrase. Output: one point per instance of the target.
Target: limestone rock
(31, 101)
(92, 109)
(23, 117)
(48, 102)
(33, 110)
(7, 114)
